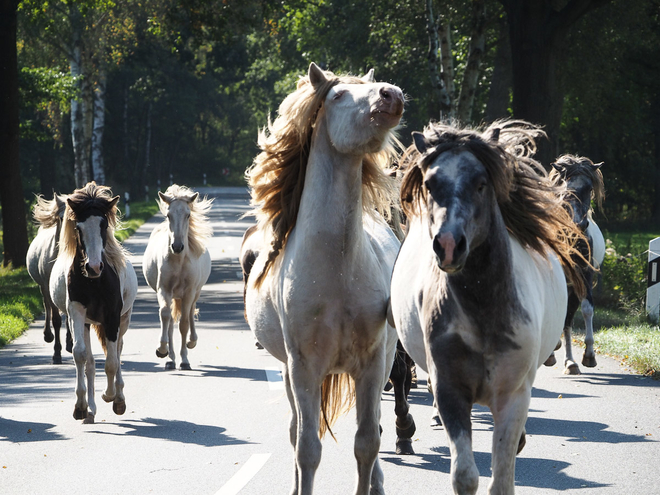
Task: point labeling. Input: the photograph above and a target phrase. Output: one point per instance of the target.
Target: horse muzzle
(451, 251)
(93, 270)
(177, 247)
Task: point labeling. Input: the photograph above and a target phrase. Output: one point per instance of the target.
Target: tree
(14, 221)
(537, 31)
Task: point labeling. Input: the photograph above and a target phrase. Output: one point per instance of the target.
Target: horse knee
(465, 478)
(367, 443)
(308, 452)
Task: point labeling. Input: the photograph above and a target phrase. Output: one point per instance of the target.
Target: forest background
(137, 94)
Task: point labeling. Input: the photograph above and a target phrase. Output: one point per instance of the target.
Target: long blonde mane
(49, 212)
(530, 201)
(199, 227)
(277, 175)
(100, 198)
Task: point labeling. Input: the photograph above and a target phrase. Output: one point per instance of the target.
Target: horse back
(41, 255)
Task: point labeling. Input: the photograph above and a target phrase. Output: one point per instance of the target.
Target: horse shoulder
(542, 291)
(598, 242)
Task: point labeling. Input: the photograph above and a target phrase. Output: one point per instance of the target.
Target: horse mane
(49, 212)
(531, 202)
(576, 166)
(199, 227)
(277, 175)
(100, 198)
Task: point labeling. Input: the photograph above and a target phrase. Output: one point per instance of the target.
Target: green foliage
(140, 213)
(20, 303)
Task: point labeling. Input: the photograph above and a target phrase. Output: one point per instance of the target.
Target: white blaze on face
(90, 232)
(178, 216)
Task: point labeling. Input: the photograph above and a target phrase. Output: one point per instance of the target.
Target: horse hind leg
(401, 377)
(57, 325)
(293, 425)
(192, 341)
(589, 356)
(45, 297)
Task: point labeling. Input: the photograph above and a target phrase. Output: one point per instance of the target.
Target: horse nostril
(385, 94)
(100, 267)
(461, 246)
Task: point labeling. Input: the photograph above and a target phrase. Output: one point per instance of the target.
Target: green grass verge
(20, 298)
(20, 303)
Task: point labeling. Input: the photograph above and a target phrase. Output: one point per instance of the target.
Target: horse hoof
(572, 369)
(69, 346)
(57, 359)
(119, 407)
(185, 367)
(589, 361)
(522, 442)
(191, 344)
(161, 354)
(404, 446)
(79, 413)
(436, 421)
(558, 346)
(551, 361)
(89, 420)
(170, 365)
(258, 345)
(388, 386)
(107, 398)
(407, 432)
(48, 337)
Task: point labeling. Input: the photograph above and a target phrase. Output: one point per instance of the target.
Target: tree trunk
(471, 75)
(14, 222)
(447, 59)
(655, 208)
(438, 86)
(537, 30)
(499, 94)
(98, 167)
(147, 147)
(77, 126)
(47, 164)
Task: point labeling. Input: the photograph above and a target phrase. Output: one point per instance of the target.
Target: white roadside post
(653, 290)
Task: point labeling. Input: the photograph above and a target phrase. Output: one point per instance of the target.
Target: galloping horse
(585, 183)
(94, 283)
(177, 264)
(40, 259)
(478, 290)
(317, 293)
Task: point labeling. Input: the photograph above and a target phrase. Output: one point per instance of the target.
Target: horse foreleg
(293, 425)
(570, 366)
(455, 410)
(187, 307)
(589, 356)
(77, 313)
(54, 315)
(90, 371)
(401, 377)
(166, 327)
(306, 389)
(368, 387)
(509, 416)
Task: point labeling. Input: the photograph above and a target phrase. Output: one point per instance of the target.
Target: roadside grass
(20, 297)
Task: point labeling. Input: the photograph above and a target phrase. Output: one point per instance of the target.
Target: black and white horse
(585, 183)
(478, 289)
(95, 284)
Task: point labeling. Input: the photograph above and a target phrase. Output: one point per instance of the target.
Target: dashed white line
(244, 475)
(275, 381)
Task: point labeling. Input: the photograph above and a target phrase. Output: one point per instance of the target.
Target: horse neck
(331, 201)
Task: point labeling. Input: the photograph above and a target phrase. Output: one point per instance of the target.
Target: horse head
(584, 183)
(89, 209)
(178, 210)
(359, 114)
(459, 198)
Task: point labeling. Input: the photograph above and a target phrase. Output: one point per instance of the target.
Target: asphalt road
(222, 428)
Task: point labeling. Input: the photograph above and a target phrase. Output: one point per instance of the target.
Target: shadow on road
(29, 431)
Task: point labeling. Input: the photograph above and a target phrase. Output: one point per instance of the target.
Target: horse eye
(338, 95)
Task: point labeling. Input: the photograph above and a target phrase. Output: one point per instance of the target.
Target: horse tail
(100, 333)
(337, 398)
(175, 308)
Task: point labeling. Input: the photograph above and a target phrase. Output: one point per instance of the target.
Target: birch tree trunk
(471, 75)
(437, 84)
(75, 63)
(98, 168)
(447, 59)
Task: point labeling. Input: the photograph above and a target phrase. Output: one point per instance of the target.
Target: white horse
(478, 291)
(40, 258)
(95, 284)
(177, 264)
(317, 294)
(585, 183)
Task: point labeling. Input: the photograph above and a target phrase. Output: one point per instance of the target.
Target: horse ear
(316, 75)
(194, 197)
(495, 135)
(369, 77)
(164, 198)
(71, 204)
(596, 166)
(559, 168)
(114, 201)
(420, 142)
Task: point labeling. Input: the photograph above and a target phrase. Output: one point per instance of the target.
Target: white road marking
(275, 380)
(244, 475)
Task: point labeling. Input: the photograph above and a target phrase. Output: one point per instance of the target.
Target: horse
(317, 293)
(585, 183)
(177, 264)
(95, 284)
(39, 261)
(478, 289)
